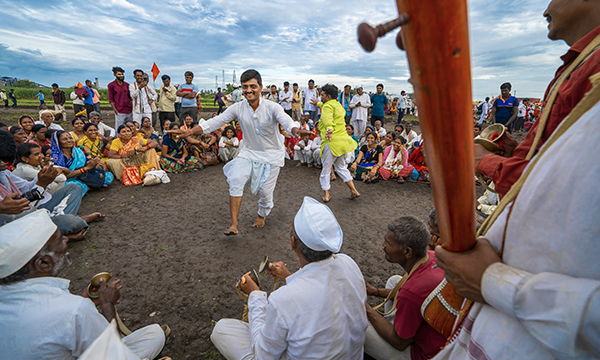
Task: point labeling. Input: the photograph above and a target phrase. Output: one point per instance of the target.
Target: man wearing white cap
(318, 314)
(263, 153)
(360, 104)
(40, 318)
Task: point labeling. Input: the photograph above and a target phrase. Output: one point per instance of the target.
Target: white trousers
(228, 153)
(121, 118)
(340, 166)
(138, 117)
(359, 127)
(240, 176)
(305, 156)
(146, 342)
(375, 345)
(232, 338)
(61, 108)
(317, 157)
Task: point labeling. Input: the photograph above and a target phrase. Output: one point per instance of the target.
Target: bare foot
(333, 177)
(354, 195)
(93, 217)
(326, 199)
(232, 230)
(309, 165)
(299, 164)
(259, 222)
(79, 236)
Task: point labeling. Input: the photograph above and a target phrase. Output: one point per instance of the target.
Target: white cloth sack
(160, 174)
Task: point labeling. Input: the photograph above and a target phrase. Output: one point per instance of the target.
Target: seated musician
(40, 318)
(319, 314)
(405, 335)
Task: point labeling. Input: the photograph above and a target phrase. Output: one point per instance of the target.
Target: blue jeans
(72, 204)
(400, 115)
(311, 114)
(375, 118)
(69, 224)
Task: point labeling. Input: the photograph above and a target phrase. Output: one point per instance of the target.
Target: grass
(161, 248)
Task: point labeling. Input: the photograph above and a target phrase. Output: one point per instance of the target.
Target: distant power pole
(223, 79)
(216, 81)
(233, 77)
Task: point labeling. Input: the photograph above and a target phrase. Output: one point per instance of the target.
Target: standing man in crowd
(168, 95)
(311, 99)
(318, 314)
(485, 107)
(263, 153)
(4, 98)
(219, 99)
(273, 95)
(401, 106)
(143, 96)
(13, 97)
(188, 93)
(236, 94)
(119, 97)
(96, 101)
(521, 115)
(296, 103)
(379, 101)
(59, 100)
(505, 108)
(344, 99)
(285, 98)
(88, 102)
(77, 102)
(360, 104)
(41, 98)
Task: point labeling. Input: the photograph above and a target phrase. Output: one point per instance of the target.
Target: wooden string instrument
(435, 36)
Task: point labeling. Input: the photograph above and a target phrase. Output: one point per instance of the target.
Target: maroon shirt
(120, 96)
(408, 321)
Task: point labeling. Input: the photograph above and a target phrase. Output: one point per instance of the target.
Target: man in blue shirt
(188, 93)
(344, 99)
(379, 102)
(88, 102)
(505, 108)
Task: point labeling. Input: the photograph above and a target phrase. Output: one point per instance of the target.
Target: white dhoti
(340, 166)
(228, 153)
(261, 179)
(359, 127)
(232, 338)
(146, 342)
(317, 158)
(375, 345)
(137, 117)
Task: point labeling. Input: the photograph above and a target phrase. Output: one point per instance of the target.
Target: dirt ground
(166, 244)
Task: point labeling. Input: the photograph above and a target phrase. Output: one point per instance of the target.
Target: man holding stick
(263, 154)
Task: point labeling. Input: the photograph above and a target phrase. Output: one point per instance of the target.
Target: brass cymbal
(264, 265)
(94, 285)
(254, 276)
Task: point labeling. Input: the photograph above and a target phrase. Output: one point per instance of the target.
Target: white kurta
(319, 314)
(545, 296)
(42, 320)
(140, 97)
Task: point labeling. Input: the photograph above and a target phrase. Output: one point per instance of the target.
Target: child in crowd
(350, 131)
(303, 152)
(228, 145)
(174, 155)
(477, 131)
(315, 147)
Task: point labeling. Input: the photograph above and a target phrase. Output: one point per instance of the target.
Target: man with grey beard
(40, 318)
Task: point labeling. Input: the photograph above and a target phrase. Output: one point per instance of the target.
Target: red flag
(155, 72)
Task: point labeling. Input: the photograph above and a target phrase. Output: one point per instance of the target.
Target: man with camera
(19, 197)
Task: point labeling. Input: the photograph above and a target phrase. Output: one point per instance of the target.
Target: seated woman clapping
(388, 140)
(91, 144)
(147, 131)
(30, 160)
(78, 132)
(368, 161)
(65, 154)
(129, 150)
(395, 165)
(175, 157)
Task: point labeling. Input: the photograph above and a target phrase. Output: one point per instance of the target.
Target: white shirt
(76, 99)
(285, 99)
(140, 97)
(29, 173)
(53, 126)
(262, 142)
(224, 139)
(410, 138)
(485, 108)
(402, 102)
(545, 296)
(309, 95)
(23, 186)
(42, 320)
(306, 146)
(381, 132)
(319, 314)
(315, 144)
(103, 129)
(360, 112)
(522, 109)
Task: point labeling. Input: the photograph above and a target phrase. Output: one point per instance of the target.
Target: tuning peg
(367, 35)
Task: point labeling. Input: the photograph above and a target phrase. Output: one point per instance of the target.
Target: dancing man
(262, 156)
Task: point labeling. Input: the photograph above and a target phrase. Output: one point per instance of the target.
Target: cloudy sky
(67, 41)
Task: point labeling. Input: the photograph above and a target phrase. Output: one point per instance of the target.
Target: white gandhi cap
(21, 239)
(317, 227)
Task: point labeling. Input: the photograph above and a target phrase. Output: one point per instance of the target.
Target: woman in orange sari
(129, 150)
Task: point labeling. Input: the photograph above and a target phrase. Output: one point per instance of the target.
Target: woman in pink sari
(395, 162)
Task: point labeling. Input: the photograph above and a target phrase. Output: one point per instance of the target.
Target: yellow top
(332, 117)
